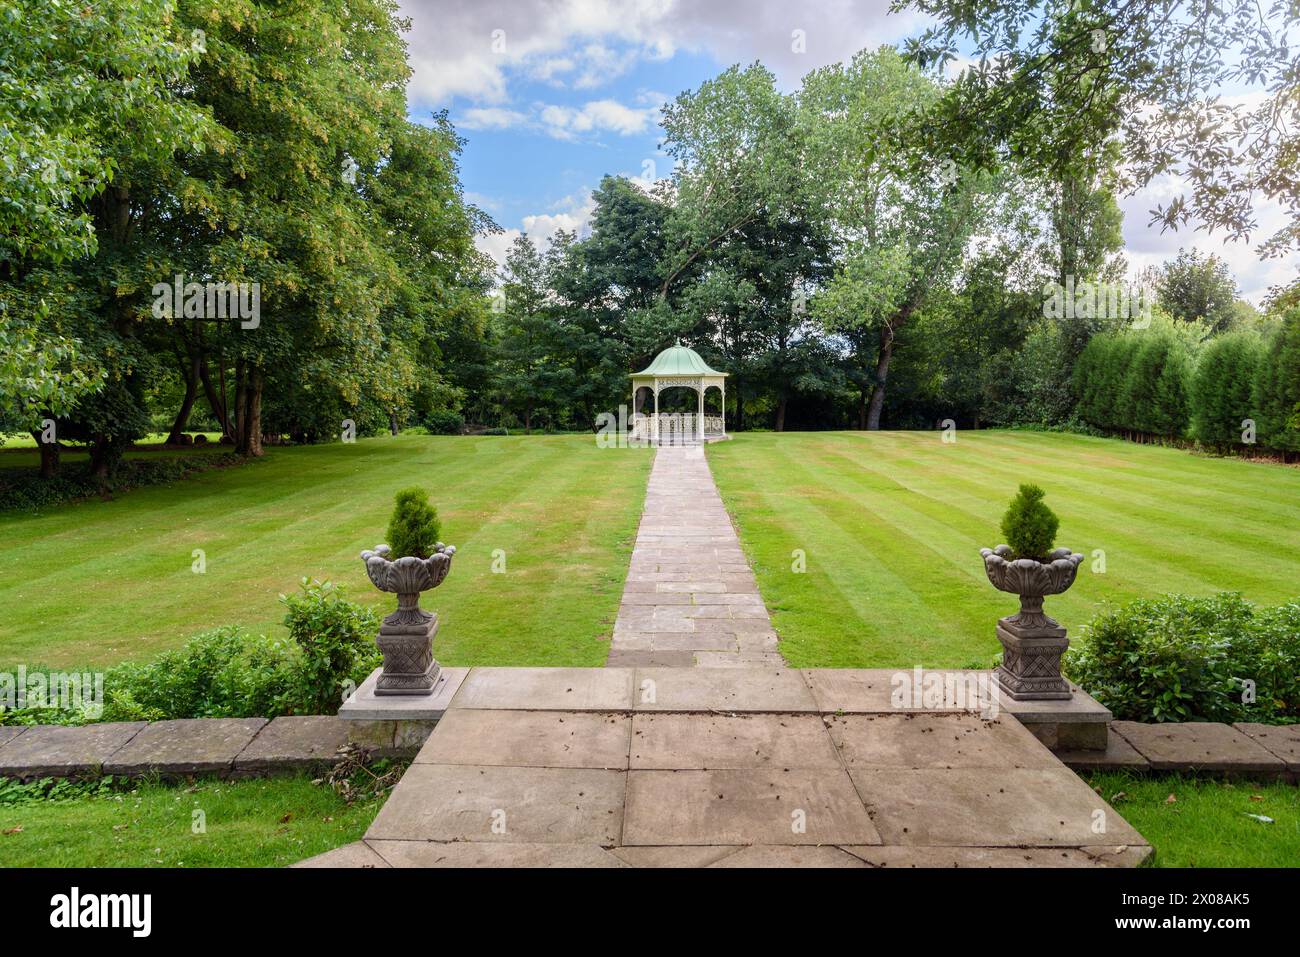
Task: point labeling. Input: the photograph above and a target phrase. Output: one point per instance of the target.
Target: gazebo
(678, 367)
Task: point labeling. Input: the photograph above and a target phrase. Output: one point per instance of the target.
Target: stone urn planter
(1032, 642)
(406, 635)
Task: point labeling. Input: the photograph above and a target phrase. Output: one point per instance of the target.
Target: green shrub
(336, 641)
(223, 673)
(444, 422)
(414, 527)
(1029, 526)
(1176, 658)
(499, 430)
(228, 673)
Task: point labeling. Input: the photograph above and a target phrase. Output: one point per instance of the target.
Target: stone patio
(690, 597)
(729, 767)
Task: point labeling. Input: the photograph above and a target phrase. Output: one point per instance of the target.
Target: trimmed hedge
(1222, 390)
(1276, 392)
(1177, 658)
(1152, 382)
(1136, 381)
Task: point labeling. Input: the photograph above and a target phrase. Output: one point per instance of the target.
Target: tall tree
(902, 222)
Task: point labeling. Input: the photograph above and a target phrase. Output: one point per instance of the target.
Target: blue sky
(551, 95)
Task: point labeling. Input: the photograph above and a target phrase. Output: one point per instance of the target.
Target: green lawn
(1207, 823)
(892, 522)
(98, 582)
(270, 822)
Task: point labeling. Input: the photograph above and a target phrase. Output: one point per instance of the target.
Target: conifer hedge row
(1154, 383)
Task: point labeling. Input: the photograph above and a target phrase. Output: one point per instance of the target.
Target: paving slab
(530, 739)
(9, 732)
(766, 855)
(651, 659)
(185, 746)
(364, 705)
(356, 854)
(443, 802)
(688, 575)
(672, 856)
(477, 854)
(1199, 746)
(705, 741)
(921, 740)
(767, 688)
(796, 806)
(59, 751)
(1280, 740)
(1118, 756)
(977, 808)
(547, 689)
(295, 741)
(912, 856)
(879, 690)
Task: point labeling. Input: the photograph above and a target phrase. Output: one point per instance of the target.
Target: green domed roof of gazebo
(677, 360)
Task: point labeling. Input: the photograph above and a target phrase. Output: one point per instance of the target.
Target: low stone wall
(231, 747)
(1258, 751)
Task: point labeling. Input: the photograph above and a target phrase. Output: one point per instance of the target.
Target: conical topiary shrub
(1029, 526)
(414, 527)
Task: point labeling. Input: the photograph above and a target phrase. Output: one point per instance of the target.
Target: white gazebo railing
(676, 428)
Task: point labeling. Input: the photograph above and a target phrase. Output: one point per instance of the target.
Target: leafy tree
(1147, 70)
(903, 224)
(1198, 288)
(76, 81)
(530, 379)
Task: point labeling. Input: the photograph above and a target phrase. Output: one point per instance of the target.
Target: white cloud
(491, 118)
(563, 122)
(470, 50)
(572, 213)
(597, 116)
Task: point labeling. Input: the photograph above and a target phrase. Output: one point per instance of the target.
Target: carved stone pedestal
(406, 640)
(1031, 659)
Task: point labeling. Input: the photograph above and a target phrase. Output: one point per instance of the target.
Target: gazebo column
(699, 421)
(656, 421)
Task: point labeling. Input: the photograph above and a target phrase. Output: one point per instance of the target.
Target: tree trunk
(216, 401)
(49, 456)
(191, 372)
(862, 408)
(882, 374)
(248, 400)
(99, 454)
(392, 422)
(780, 413)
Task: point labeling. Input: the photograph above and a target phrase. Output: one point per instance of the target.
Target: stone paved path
(690, 597)
(729, 767)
